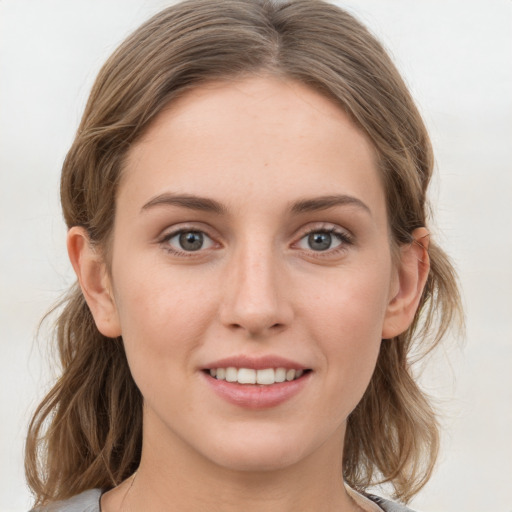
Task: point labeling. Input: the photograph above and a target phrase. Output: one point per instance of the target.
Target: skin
(256, 287)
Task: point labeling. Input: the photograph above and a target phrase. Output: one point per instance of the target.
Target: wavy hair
(87, 432)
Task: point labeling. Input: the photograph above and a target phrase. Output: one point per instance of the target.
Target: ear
(413, 269)
(94, 280)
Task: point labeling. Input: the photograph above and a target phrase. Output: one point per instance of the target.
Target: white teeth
(280, 375)
(266, 376)
(231, 374)
(247, 376)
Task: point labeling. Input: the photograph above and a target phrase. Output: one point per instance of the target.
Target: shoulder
(87, 501)
(387, 505)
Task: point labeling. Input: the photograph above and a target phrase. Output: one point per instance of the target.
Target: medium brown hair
(87, 432)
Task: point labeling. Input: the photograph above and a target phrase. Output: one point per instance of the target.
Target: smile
(264, 376)
(261, 388)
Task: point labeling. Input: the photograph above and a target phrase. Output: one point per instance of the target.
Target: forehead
(268, 137)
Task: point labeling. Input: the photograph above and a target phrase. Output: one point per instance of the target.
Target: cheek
(162, 321)
(159, 301)
(352, 305)
(348, 320)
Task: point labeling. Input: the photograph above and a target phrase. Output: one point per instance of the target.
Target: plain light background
(456, 56)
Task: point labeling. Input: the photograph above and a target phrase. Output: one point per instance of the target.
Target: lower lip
(257, 396)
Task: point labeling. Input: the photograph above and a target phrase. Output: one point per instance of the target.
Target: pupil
(319, 241)
(191, 241)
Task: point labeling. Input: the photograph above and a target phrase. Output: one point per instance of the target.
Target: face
(251, 240)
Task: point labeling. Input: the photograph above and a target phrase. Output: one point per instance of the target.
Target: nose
(255, 295)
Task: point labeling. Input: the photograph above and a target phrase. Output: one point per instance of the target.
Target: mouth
(257, 382)
(262, 377)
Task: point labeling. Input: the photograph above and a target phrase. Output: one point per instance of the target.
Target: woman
(246, 204)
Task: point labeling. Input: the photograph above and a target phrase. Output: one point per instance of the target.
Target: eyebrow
(326, 202)
(205, 204)
(189, 201)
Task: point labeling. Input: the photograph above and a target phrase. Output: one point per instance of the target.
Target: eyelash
(344, 238)
(175, 252)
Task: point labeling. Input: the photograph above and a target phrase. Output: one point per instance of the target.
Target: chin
(256, 452)
(257, 461)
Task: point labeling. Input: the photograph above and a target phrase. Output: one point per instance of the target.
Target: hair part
(87, 432)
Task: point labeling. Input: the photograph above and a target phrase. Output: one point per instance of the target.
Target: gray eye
(320, 241)
(191, 240)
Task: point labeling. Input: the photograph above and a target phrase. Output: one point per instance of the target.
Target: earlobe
(413, 270)
(94, 280)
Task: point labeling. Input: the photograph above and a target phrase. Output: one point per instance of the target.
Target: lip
(255, 363)
(256, 396)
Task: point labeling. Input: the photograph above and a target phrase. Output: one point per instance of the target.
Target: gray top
(89, 501)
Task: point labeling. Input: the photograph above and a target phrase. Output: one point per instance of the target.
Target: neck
(173, 477)
(294, 489)
(304, 486)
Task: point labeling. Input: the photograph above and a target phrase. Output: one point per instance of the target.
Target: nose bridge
(254, 298)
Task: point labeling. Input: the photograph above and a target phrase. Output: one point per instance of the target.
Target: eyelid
(324, 226)
(345, 237)
(184, 228)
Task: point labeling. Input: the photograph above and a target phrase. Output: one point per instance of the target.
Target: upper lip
(256, 363)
